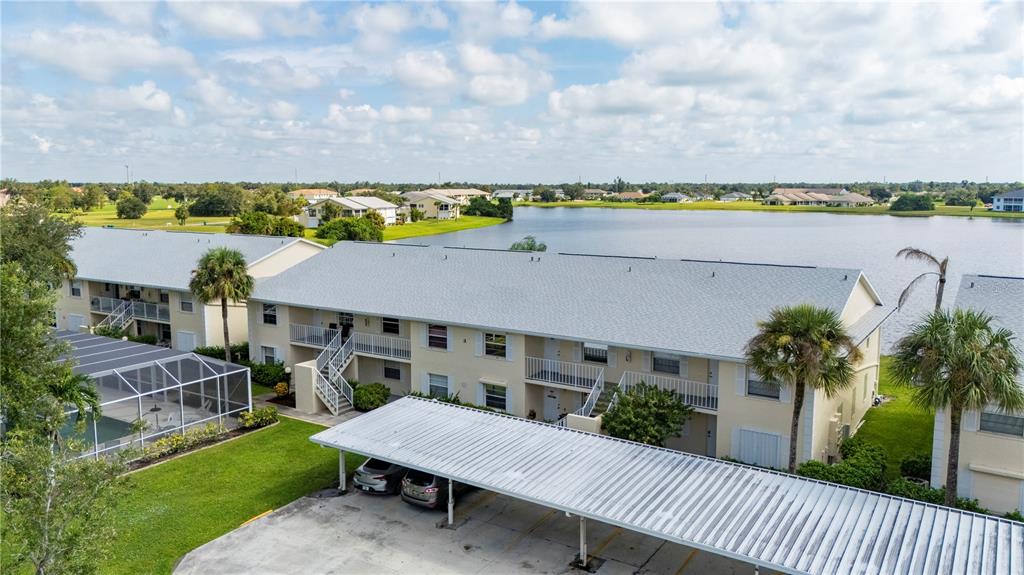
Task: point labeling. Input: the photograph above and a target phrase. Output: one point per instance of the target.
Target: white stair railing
(334, 359)
(120, 317)
(588, 406)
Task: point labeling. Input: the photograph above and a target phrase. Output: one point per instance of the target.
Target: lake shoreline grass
(747, 206)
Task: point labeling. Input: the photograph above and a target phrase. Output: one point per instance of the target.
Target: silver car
(376, 476)
(426, 490)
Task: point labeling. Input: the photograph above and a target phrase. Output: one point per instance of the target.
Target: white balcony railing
(104, 304)
(695, 393)
(382, 345)
(151, 311)
(313, 335)
(567, 373)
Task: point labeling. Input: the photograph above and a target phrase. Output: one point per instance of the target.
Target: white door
(75, 321)
(551, 346)
(551, 412)
(186, 341)
(758, 448)
(712, 428)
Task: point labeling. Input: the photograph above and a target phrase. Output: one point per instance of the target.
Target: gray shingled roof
(1018, 193)
(784, 522)
(696, 307)
(1001, 297)
(157, 258)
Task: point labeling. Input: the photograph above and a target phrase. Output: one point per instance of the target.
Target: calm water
(979, 245)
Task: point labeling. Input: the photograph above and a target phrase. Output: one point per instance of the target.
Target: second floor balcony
(143, 310)
(565, 373)
(387, 346)
(694, 393)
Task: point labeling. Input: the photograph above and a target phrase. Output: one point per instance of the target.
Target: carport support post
(451, 503)
(342, 488)
(583, 542)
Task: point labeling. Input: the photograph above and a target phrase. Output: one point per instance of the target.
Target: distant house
(675, 198)
(351, 207)
(701, 197)
(631, 196)
(594, 194)
(513, 195)
(312, 195)
(461, 195)
(1012, 201)
(735, 197)
(361, 191)
(802, 196)
(851, 199)
(434, 205)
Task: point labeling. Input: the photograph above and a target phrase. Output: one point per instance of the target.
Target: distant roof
(359, 202)
(361, 191)
(456, 192)
(853, 198)
(771, 519)
(829, 191)
(674, 195)
(1002, 297)
(307, 192)
(1012, 194)
(632, 195)
(156, 258)
(698, 307)
(429, 194)
(737, 195)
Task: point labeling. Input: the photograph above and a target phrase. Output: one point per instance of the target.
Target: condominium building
(433, 205)
(1012, 201)
(991, 462)
(348, 207)
(137, 280)
(555, 337)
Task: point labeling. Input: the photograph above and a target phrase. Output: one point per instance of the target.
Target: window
(392, 370)
(76, 288)
(269, 314)
(664, 363)
(437, 336)
(595, 352)
(165, 332)
(438, 385)
(269, 354)
(186, 303)
(390, 325)
(495, 345)
(345, 318)
(495, 396)
(762, 389)
(106, 287)
(165, 297)
(1005, 424)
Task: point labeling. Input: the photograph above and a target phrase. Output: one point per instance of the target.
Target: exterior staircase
(330, 385)
(605, 399)
(120, 317)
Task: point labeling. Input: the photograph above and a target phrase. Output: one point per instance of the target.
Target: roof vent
(972, 284)
(629, 268)
(846, 277)
(712, 273)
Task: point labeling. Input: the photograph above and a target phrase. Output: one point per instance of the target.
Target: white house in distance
(675, 198)
(1012, 201)
(137, 281)
(991, 465)
(434, 205)
(735, 197)
(461, 195)
(350, 207)
(313, 194)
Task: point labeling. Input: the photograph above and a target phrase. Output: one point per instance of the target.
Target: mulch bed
(138, 464)
(287, 401)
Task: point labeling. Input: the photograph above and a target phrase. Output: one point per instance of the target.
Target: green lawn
(177, 506)
(940, 210)
(425, 228)
(160, 216)
(899, 427)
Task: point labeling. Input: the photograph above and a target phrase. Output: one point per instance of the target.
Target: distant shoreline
(749, 206)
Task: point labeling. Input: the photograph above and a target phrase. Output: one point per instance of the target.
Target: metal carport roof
(766, 518)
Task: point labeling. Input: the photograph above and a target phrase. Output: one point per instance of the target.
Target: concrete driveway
(493, 534)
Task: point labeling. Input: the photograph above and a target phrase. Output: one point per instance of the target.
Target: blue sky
(512, 92)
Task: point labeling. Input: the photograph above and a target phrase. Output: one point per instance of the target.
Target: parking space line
(687, 561)
(531, 529)
(607, 540)
(461, 513)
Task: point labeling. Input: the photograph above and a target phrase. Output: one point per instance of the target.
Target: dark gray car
(376, 476)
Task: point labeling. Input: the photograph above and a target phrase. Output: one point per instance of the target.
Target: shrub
(261, 223)
(267, 374)
(454, 400)
(149, 339)
(371, 396)
(178, 442)
(646, 414)
(259, 417)
(918, 466)
(239, 352)
(352, 229)
(1014, 516)
(912, 203)
(282, 389)
(130, 207)
(863, 466)
(109, 331)
(903, 487)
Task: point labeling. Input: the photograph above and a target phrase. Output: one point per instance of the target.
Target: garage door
(75, 321)
(186, 341)
(759, 448)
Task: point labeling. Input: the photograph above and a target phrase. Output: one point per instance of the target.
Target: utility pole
(127, 177)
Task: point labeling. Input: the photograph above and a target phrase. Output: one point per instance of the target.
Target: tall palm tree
(222, 275)
(803, 346)
(959, 362)
(914, 254)
(77, 390)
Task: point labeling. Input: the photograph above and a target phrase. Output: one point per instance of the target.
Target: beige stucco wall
(238, 329)
(860, 302)
(693, 437)
(275, 336)
(67, 305)
(371, 370)
(991, 466)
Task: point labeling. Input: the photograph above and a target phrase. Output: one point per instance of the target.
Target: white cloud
(274, 74)
(632, 23)
(485, 20)
(705, 60)
(501, 79)
(424, 70)
(220, 19)
(100, 54)
(345, 93)
(127, 13)
(282, 110)
(620, 97)
(217, 99)
(395, 114)
(42, 144)
(498, 90)
(379, 25)
(351, 117)
(145, 96)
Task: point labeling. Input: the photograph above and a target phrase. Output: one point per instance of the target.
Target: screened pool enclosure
(148, 392)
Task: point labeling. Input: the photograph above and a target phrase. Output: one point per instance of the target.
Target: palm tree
(222, 274)
(959, 362)
(77, 390)
(806, 347)
(914, 254)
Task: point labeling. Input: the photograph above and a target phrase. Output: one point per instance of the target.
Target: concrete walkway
(494, 534)
(325, 418)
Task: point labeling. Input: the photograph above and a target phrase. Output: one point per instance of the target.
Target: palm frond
(915, 254)
(910, 288)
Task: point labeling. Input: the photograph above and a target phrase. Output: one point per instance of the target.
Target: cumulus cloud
(424, 70)
(632, 24)
(379, 25)
(396, 114)
(220, 100)
(485, 20)
(100, 54)
(501, 79)
(273, 73)
(620, 97)
(145, 96)
(220, 19)
(127, 13)
(42, 144)
(282, 110)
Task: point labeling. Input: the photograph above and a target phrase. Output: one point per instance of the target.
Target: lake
(974, 245)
